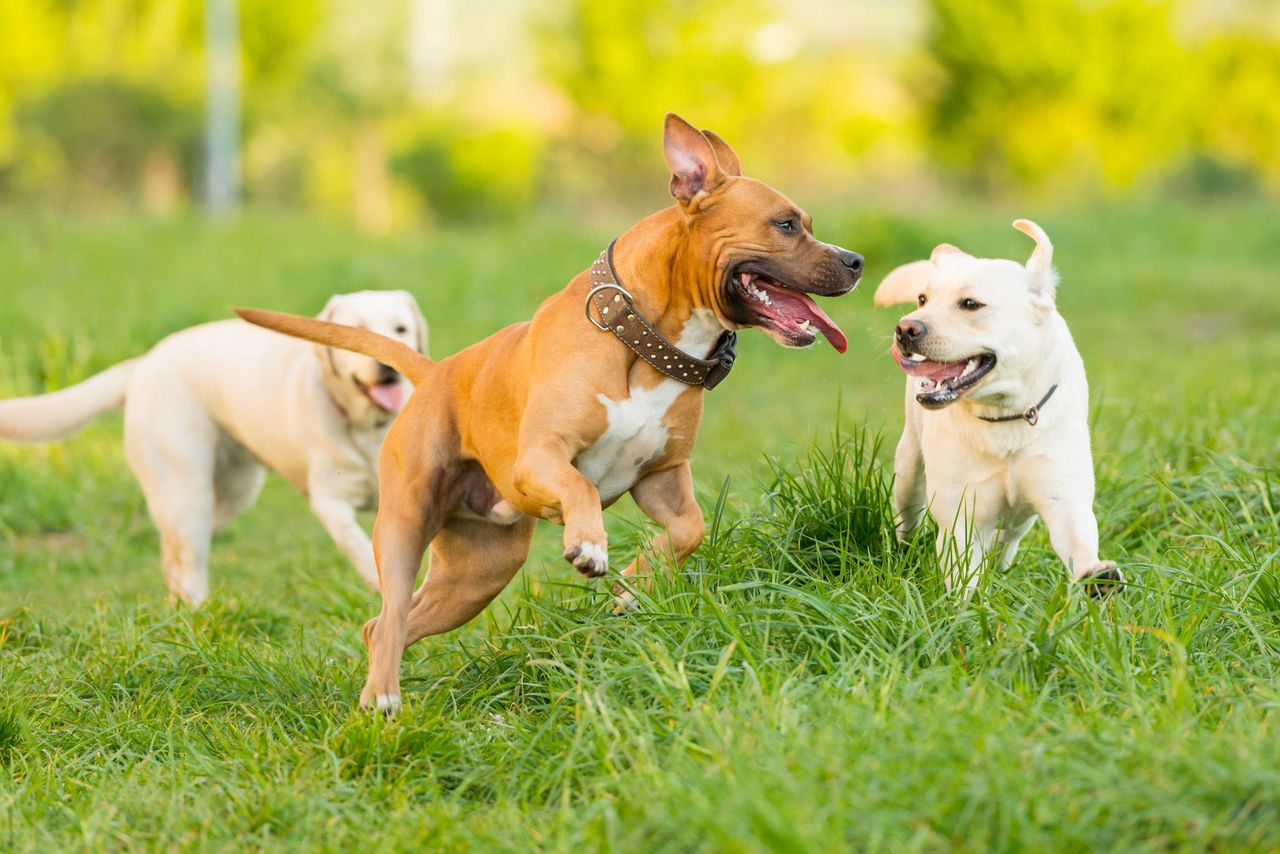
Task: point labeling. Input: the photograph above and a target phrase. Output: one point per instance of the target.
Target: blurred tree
(1062, 91)
(1241, 126)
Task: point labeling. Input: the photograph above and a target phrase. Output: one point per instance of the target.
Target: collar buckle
(600, 324)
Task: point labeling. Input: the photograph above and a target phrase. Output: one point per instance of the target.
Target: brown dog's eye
(786, 225)
(968, 304)
(921, 300)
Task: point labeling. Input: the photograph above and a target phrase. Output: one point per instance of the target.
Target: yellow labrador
(209, 408)
(996, 412)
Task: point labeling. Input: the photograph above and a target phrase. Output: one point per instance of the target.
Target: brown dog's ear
(904, 284)
(420, 323)
(1040, 264)
(725, 155)
(692, 160)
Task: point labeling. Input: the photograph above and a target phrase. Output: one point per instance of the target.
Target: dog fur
(208, 409)
(985, 483)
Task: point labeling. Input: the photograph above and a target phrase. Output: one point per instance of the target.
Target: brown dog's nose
(910, 331)
(852, 260)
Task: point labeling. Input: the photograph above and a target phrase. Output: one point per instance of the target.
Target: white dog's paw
(591, 559)
(1103, 580)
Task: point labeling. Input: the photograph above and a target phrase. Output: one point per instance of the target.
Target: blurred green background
(395, 113)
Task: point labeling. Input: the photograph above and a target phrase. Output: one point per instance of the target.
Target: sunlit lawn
(804, 685)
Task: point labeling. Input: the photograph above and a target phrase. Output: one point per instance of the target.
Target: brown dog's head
(767, 261)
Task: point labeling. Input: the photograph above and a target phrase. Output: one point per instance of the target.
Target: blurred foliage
(533, 102)
(1066, 92)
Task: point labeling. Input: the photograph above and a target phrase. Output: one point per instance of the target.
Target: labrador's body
(983, 450)
(209, 409)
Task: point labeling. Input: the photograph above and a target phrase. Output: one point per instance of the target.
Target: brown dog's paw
(591, 559)
(1104, 580)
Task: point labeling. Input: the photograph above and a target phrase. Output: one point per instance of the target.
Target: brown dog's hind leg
(400, 536)
(667, 498)
(471, 563)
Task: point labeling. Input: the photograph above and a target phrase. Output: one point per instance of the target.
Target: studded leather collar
(615, 311)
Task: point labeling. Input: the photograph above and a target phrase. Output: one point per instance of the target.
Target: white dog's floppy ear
(330, 307)
(945, 249)
(420, 320)
(1040, 264)
(326, 314)
(904, 284)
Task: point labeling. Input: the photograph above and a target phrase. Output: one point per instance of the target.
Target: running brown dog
(557, 417)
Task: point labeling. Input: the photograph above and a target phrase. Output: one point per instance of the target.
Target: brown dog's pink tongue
(825, 324)
(389, 397)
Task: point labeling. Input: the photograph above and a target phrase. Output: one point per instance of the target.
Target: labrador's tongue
(797, 307)
(388, 396)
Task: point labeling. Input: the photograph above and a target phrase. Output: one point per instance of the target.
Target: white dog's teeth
(916, 357)
(968, 369)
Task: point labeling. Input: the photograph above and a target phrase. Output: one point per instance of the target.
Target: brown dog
(557, 417)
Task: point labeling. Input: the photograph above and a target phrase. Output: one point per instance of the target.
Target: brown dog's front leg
(551, 486)
(667, 498)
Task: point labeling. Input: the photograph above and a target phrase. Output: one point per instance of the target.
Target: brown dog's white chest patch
(636, 435)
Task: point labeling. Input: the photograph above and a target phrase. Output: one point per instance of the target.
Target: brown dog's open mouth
(944, 383)
(791, 314)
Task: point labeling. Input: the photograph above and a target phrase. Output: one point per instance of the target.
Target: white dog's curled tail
(58, 414)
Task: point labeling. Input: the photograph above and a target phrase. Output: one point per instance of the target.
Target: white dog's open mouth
(943, 383)
(388, 396)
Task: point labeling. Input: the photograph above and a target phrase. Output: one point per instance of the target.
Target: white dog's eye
(968, 304)
(400, 330)
(921, 300)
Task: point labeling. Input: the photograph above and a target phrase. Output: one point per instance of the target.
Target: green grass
(805, 684)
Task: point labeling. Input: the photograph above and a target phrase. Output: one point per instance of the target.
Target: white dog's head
(363, 387)
(978, 324)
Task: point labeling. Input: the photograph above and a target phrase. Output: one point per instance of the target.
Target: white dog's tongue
(389, 396)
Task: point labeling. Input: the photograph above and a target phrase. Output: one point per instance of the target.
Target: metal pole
(222, 131)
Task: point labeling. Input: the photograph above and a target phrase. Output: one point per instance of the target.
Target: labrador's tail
(59, 414)
(388, 351)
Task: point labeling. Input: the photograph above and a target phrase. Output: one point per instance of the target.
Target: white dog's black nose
(910, 331)
(387, 374)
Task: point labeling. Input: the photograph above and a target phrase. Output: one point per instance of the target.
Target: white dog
(208, 408)
(996, 413)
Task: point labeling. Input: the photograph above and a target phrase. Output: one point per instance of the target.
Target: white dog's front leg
(908, 483)
(963, 540)
(909, 498)
(1073, 531)
(339, 519)
(1063, 496)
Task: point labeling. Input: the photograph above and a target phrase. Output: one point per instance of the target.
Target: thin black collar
(1031, 414)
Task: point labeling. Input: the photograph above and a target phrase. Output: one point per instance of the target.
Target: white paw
(591, 559)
